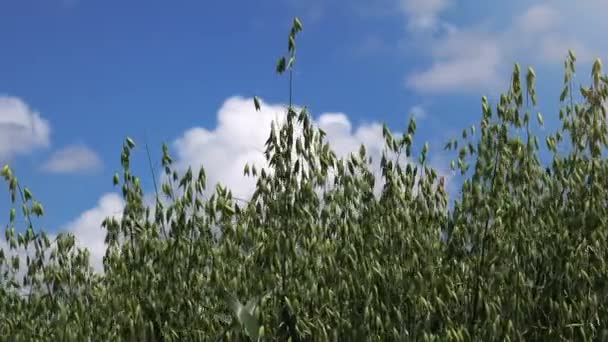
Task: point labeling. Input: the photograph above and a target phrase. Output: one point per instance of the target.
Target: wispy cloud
(72, 159)
(463, 61)
(474, 57)
(418, 112)
(423, 14)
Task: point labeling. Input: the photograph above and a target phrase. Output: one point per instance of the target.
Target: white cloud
(464, 61)
(473, 58)
(74, 158)
(21, 129)
(240, 136)
(543, 30)
(238, 139)
(344, 140)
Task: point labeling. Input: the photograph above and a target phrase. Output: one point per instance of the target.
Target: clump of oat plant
(316, 255)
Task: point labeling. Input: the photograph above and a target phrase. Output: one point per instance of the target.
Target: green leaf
(530, 77)
(297, 24)
(281, 64)
(37, 208)
(256, 103)
(597, 67)
(292, 43)
(563, 94)
(27, 194)
(130, 143)
(6, 172)
(229, 208)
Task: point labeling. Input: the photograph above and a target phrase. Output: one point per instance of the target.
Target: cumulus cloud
(344, 140)
(73, 158)
(240, 135)
(470, 57)
(237, 139)
(21, 128)
(241, 132)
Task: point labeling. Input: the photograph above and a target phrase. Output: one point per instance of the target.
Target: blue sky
(77, 76)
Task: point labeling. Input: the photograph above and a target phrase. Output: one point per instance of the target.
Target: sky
(78, 76)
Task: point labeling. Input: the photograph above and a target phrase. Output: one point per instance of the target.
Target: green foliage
(316, 255)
